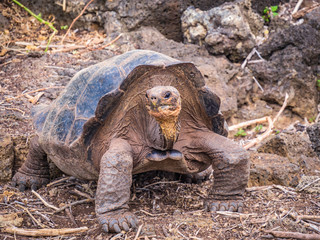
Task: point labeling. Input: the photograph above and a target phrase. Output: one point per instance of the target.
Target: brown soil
(167, 209)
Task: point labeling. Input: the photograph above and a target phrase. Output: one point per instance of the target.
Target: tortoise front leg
(113, 191)
(230, 163)
(35, 170)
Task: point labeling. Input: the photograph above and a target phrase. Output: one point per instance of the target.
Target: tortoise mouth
(163, 111)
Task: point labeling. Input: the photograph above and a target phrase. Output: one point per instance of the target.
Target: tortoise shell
(92, 94)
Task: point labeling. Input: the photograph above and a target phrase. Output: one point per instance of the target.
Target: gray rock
(292, 66)
(161, 14)
(3, 22)
(296, 147)
(268, 169)
(314, 135)
(6, 158)
(227, 29)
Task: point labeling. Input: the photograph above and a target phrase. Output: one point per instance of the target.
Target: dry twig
(15, 109)
(33, 218)
(271, 124)
(248, 123)
(34, 91)
(45, 232)
(74, 20)
(308, 185)
(295, 235)
(74, 203)
(44, 201)
(282, 108)
(138, 232)
(304, 11)
(261, 137)
(110, 43)
(58, 181)
(297, 7)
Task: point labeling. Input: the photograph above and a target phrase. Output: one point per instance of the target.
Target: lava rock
(268, 169)
(224, 29)
(295, 146)
(314, 135)
(6, 158)
(292, 66)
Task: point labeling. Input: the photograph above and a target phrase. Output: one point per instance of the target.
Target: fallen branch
(282, 108)
(156, 183)
(108, 44)
(74, 20)
(248, 123)
(304, 11)
(297, 7)
(34, 91)
(299, 219)
(44, 201)
(58, 181)
(32, 217)
(308, 185)
(138, 232)
(45, 232)
(243, 65)
(295, 235)
(235, 214)
(256, 81)
(15, 109)
(271, 124)
(74, 203)
(261, 137)
(258, 188)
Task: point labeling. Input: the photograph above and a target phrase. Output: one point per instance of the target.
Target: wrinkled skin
(185, 147)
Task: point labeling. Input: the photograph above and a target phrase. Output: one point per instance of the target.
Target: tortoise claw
(116, 222)
(23, 181)
(230, 206)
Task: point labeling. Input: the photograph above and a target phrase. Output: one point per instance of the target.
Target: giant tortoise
(136, 112)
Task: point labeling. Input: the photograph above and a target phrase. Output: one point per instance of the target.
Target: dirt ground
(167, 209)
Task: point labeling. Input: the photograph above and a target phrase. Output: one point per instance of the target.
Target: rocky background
(249, 58)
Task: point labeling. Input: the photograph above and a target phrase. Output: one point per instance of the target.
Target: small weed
(276, 132)
(64, 27)
(312, 119)
(318, 84)
(258, 128)
(241, 133)
(269, 13)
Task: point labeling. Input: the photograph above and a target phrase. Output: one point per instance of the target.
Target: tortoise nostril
(153, 98)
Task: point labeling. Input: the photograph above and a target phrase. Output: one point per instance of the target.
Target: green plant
(318, 84)
(258, 128)
(39, 18)
(276, 132)
(269, 12)
(312, 119)
(241, 133)
(64, 27)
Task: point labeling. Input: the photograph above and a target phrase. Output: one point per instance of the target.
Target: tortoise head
(163, 103)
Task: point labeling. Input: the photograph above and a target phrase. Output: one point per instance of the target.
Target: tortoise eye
(147, 95)
(168, 94)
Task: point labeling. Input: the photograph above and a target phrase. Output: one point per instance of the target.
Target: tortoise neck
(170, 130)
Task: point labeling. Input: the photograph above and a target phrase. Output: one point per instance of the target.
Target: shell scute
(62, 124)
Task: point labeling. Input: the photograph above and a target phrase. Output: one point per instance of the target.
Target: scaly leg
(113, 191)
(230, 163)
(34, 172)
